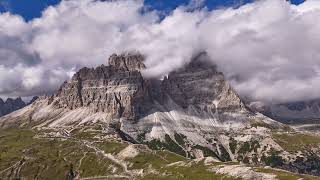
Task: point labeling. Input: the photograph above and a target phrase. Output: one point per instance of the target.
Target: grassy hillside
(52, 154)
(294, 142)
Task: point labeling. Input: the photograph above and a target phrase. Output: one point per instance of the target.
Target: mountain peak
(17, 100)
(127, 61)
(11, 105)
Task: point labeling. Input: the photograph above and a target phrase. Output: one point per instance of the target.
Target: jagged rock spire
(127, 62)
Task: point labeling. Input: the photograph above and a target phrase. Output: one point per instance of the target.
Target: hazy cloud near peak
(269, 50)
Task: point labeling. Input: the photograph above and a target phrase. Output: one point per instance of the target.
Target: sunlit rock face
(118, 90)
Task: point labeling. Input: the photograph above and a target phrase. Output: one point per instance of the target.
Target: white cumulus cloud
(269, 50)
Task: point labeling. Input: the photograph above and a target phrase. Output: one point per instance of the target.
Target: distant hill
(10, 105)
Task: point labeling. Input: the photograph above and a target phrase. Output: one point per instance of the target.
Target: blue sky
(262, 45)
(30, 9)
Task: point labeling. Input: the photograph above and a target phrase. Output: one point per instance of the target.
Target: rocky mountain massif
(11, 105)
(192, 112)
(303, 115)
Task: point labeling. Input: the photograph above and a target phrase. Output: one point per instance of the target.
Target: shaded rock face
(10, 105)
(119, 89)
(199, 85)
(33, 100)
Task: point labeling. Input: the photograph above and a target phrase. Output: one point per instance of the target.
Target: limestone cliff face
(119, 89)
